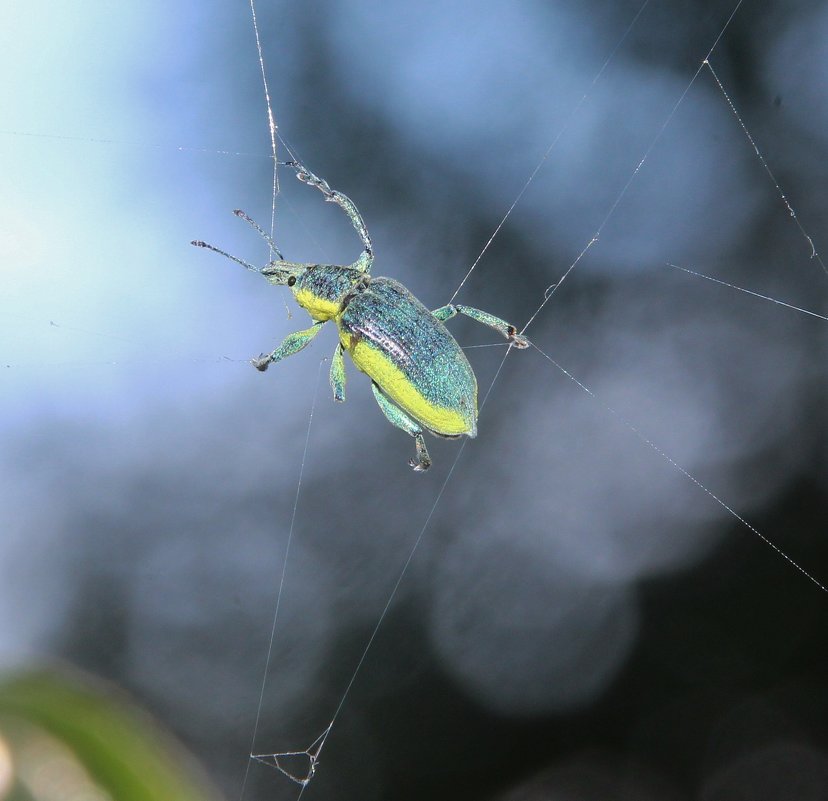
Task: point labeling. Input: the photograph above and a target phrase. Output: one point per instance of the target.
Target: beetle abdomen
(412, 356)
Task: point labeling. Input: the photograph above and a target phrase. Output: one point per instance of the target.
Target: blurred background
(580, 621)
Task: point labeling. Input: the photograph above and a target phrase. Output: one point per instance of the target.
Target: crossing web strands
(455, 616)
(594, 173)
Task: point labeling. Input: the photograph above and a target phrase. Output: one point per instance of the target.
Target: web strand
(271, 123)
(311, 754)
(549, 149)
(279, 594)
(550, 291)
(650, 444)
(764, 163)
(133, 144)
(748, 292)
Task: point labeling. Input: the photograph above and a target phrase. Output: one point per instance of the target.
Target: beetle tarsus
(262, 363)
(422, 461)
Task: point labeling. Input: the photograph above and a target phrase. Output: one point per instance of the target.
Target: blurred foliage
(66, 738)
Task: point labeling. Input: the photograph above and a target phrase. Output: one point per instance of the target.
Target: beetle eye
(291, 280)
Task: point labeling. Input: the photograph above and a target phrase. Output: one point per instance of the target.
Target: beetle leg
(400, 419)
(338, 374)
(292, 344)
(445, 312)
(346, 204)
(501, 326)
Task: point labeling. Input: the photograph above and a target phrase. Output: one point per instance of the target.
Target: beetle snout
(280, 275)
(271, 270)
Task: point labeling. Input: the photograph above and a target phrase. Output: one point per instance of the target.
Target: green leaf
(97, 736)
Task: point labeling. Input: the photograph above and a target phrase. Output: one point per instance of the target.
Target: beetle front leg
(292, 343)
(346, 204)
(501, 326)
(400, 419)
(338, 374)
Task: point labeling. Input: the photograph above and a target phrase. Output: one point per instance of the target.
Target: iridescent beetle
(420, 376)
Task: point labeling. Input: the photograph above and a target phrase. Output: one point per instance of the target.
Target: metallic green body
(420, 376)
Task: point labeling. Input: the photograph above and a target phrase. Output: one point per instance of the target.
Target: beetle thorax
(325, 289)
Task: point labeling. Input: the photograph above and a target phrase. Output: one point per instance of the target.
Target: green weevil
(420, 377)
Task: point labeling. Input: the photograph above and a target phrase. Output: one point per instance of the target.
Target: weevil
(420, 376)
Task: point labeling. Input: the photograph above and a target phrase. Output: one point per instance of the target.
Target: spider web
(311, 754)
(133, 330)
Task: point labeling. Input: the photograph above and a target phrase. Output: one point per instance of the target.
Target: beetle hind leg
(400, 419)
(501, 326)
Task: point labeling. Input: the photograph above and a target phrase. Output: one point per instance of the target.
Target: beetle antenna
(264, 235)
(246, 264)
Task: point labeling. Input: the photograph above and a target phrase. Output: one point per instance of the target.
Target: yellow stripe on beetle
(319, 308)
(399, 389)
